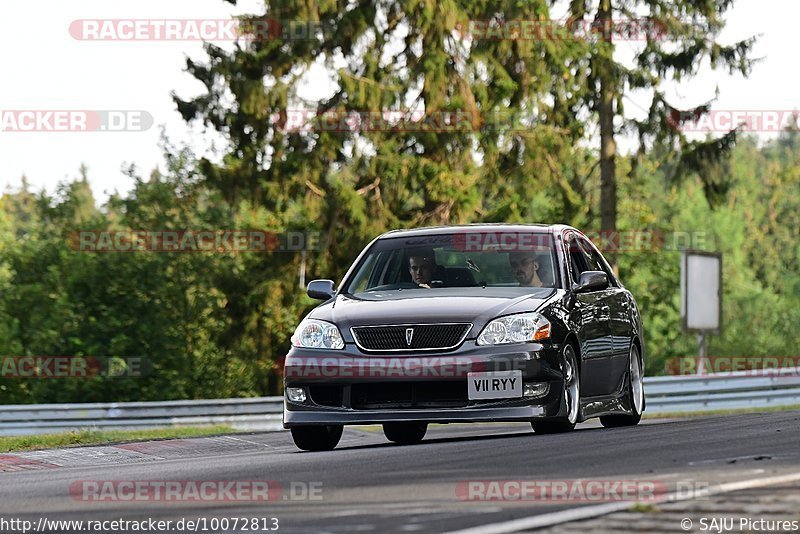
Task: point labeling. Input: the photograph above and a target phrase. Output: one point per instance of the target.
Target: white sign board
(701, 291)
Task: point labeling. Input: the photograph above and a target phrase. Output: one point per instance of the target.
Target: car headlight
(315, 334)
(518, 328)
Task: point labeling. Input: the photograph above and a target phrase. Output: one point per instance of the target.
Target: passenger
(525, 266)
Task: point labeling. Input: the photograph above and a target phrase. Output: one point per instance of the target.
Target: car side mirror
(591, 281)
(321, 289)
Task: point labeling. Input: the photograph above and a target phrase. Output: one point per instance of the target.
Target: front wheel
(635, 395)
(405, 433)
(317, 438)
(572, 394)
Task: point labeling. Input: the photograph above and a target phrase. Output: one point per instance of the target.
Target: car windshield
(476, 259)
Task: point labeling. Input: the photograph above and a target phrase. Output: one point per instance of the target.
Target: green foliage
(175, 311)
(218, 324)
(214, 324)
(756, 228)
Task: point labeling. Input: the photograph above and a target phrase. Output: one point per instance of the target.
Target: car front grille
(443, 336)
(399, 395)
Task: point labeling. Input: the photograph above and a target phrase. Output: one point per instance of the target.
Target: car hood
(446, 305)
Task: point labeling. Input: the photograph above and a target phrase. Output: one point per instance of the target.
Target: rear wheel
(317, 438)
(572, 394)
(635, 395)
(405, 433)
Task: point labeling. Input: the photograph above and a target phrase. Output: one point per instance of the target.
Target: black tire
(317, 438)
(572, 392)
(405, 433)
(635, 396)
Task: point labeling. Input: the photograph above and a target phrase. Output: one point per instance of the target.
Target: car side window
(591, 261)
(577, 261)
(612, 279)
(596, 262)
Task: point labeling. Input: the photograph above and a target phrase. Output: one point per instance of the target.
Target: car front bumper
(347, 387)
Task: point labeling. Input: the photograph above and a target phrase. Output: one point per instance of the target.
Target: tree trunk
(608, 146)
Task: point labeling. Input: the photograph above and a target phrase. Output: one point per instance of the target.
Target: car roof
(478, 227)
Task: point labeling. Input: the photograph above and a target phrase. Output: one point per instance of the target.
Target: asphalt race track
(369, 485)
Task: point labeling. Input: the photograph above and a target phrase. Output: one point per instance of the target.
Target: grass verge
(101, 437)
(644, 508)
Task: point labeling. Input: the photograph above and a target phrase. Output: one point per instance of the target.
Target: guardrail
(259, 413)
(723, 391)
(665, 394)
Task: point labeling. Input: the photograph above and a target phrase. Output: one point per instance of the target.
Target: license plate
(494, 385)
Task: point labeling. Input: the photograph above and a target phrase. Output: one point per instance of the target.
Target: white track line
(588, 512)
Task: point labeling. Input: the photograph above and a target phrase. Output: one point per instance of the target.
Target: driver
(525, 267)
(422, 265)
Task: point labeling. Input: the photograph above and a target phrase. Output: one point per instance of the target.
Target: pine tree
(483, 129)
(389, 56)
(678, 36)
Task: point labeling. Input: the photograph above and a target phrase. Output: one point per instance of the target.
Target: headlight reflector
(315, 334)
(518, 328)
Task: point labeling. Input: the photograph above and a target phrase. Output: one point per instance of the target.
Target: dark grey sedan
(464, 324)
